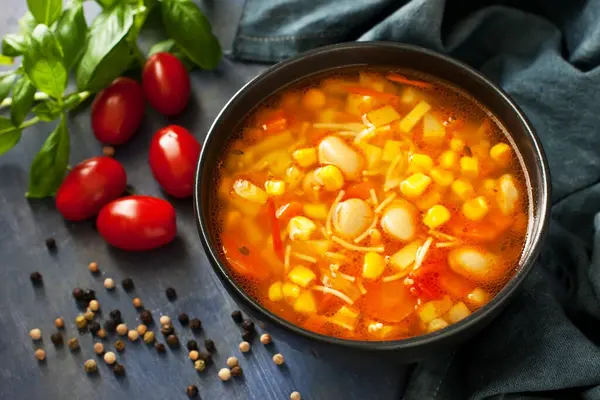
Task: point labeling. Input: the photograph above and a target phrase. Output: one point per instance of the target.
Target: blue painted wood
(25, 224)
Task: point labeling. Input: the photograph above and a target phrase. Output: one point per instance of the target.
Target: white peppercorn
(133, 335)
(244, 347)
(122, 329)
(109, 283)
(232, 362)
(94, 305)
(165, 320)
(98, 348)
(295, 396)
(278, 359)
(110, 358)
(36, 334)
(224, 374)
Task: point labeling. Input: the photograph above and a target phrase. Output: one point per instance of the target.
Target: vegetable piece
(273, 121)
(391, 149)
(301, 228)
(462, 189)
(455, 284)
(414, 116)
(137, 223)
(501, 153)
(436, 324)
(318, 247)
(271, 143)
(345, 317)
(173, 158)
(249, 191)
(302, 276)
(477, 298)
(373, 265)
(333, 150)
(275, 292)
(305, 303)
(316, 211)
(448, 159)
(507, 196)
(383, 116)
(398, 221)
(415, 185)
(389, 301)
(401, 79)
(434, 309)
(436, 216)
(290, 291)
(420, 163)
(330, 177)
(433, 130)
(477, 264)
(441, 177)
(275, 230)
(287, 211)
(475, 209)
(359, 190)
(166, 83)
(458, 312)
(305, 157)
(117, 111)
(275, 187)
(89, 186)
(351, 217)
(244, 258)
(372, 155)
(405, 257)
(314, 99)
(469, 167)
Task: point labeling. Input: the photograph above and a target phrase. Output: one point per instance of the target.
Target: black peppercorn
(167, 330)
(120, 346)
(159, 347)
(210, 345)
(236, 371)
(94, 327)
(192, 391)
(146, 317)
(237, 316)
(195, 324)
(127, 284)
(116, 316)
(248, 336)
(119, 370)
(192, 345)
(110, 326)
(183, 319)
(51, 244)
(171, 294)
(89, 295)
(57, 339)
(205, 356)
(78, 294)
(172, 341)
(248, 325)
(36, 278)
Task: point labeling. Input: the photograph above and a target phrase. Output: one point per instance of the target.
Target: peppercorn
(110, 326)
(224, 374)
(133, 335)
(278, 359)
(149, 337)
(172, 341)
(248, 325)
(165, 320)
(98, 348)
(244, 347)
(183, 319)
(205, 356)
(195, 324)
(73, 344)
(89, 315)
(236, 371)
(193, 355)
(89, 295)
(78, 294)
(295, 396)
(167, 330)
(59, 323)
(137, 302)
(36, 334)
(93, 267)
(108, 151)
(57, 339)
(122, 329)
(94, 327)
(128, 285)
(51, 244)
(94, 305)
(116, 316)
(248, 335)
(90, 366)
(192, 391)
(109, 283)
(119, 346)
(232, 362)
(146, 317)
(119, 370)
(101, 333)
(210, 345)
(237, 316)
(199, 365)
(171, 294)
(265, 338)
(80, 322)
(110, 358)
(36, 278)
(40, 354)
(159, 347)
(192, 345)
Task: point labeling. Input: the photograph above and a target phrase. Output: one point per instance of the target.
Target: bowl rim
(487, 311)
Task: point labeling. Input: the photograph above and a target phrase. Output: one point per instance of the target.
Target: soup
(371, 205)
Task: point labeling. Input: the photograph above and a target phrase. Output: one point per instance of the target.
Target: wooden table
(24, 225)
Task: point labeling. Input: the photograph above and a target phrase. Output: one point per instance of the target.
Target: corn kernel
(249, 191)
(415, 185)
(475, 209)
(477, 298)
(441, 176)
(414, 116)
(383, 115)
(275, 293)
(305, 157)
(420, 163)
(406, 256)
(501, 153)
(489, 186)
(469, 167)
(391, 148)
(373, 265)
(275, 187)
(316, 211)
(302, 276)
(448, 159)
(436, 324)
(457, 145)
(463, 189)
(301, 228)
(305, 303)
(294, 175)
(436, 216)
(290, 291)
(330, 177)
(458, 311)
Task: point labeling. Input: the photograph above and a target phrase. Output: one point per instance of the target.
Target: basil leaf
(45, 11)
(6, 82)
(161, 47)
(13, 45)
(23, 93)
(48, 110)
(27, 23)
(42, 62)
(50, 164)
(185, 23)
(106, 47)
(106, 3)
(71, 31)
(5, 60)
(9, 135)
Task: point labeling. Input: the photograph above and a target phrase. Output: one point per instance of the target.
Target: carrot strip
(363, 91)
(276, 232)
(401, 79)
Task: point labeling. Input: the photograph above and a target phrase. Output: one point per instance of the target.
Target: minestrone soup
(370, 205)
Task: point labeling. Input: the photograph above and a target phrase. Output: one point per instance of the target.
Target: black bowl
(377, 54)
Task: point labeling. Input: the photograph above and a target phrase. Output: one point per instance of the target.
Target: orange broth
(371, 205)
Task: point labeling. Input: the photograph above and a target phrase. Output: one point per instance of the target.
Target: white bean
(398, 221)
(475, 263)
(352, 217)
(508, 194)
(333, 150)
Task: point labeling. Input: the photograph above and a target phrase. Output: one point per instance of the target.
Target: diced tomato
(288, 211)
(274, 122)
(244, 259)
(359, 191)
(390, 301)
(455, 285)
(401, 79)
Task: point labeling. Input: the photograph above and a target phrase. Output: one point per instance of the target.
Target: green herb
(56, 42)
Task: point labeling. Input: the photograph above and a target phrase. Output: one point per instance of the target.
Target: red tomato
(117, 111)
(89, 186)
(137, 223)
(166, 83)
(174, 153)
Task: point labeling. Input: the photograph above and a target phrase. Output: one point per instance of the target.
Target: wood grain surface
(24, 225)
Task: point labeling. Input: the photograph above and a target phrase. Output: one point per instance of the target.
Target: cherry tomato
(89, 186)
(166, 83)
(117, 111)
(174, 153)
(137, 223)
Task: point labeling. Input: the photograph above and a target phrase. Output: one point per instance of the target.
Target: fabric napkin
(545, 54)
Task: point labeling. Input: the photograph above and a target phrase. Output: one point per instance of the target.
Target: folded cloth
(545, 54)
